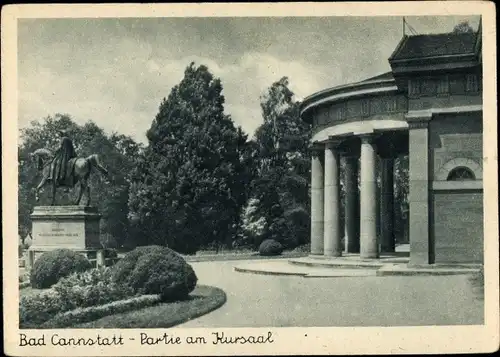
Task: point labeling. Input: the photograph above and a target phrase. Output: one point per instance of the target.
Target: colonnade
(362, 223)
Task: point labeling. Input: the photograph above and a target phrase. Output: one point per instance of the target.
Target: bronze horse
(78, 172)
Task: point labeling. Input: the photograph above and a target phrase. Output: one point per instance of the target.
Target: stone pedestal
(70, 227)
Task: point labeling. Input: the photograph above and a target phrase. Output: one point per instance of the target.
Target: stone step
(336, 263)
(405, 270)
(284, 269)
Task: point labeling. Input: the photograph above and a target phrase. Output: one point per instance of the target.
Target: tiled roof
(420, 46)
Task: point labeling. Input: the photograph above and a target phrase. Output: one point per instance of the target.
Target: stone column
(332, 237)
(351, 205)
(368, 200)
(421, 251)
(100, 258)
(387, 205)
(30, 260)
(317, 203)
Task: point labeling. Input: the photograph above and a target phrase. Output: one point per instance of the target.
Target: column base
(388, 249)
(370, 255)
(323, 256)
(333, 254)
(316, 256)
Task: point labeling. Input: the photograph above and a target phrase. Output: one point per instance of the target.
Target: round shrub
(305, 248)
(156, 270)
(56, 264)
(270, 247)
(111, 253)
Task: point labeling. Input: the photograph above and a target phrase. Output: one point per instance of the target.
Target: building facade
(429, 107)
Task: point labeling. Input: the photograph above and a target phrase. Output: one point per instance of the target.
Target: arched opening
(461, 174)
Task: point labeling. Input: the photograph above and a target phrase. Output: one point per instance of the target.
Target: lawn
(202, 300)
(223, 254)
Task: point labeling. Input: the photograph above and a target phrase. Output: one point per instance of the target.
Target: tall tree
(186, 190)
(280, 191)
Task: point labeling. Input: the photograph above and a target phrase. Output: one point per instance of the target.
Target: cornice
(427, 114)
(423, 124)
(347, 95)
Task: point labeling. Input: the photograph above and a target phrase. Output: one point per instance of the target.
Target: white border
(334, 340)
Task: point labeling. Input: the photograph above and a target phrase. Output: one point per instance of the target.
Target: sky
(116, 71)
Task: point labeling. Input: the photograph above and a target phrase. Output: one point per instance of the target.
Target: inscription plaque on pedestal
(70, 227)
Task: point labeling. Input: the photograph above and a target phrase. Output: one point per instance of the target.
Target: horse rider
(63, 154)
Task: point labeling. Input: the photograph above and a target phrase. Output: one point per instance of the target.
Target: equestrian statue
(64, 169)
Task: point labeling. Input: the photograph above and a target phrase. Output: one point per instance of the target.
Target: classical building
(429, 107)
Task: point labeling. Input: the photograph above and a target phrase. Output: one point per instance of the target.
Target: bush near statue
(69, 282)
(56, 264)
(156, 270)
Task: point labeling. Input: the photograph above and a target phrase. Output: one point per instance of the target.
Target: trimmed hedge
(270, 247)
(38, 308)
(83, 315)
(24, 284)
(156, 270)
(90, 288)
(51, 266)
(24, 281)
(163, 315)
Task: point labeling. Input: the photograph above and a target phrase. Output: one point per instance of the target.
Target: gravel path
(281, 301)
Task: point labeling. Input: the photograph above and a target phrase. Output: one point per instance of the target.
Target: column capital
(333, 143)
(420, 124)
(316, 149)
(418, 119)
(368, 138)
(418, 115)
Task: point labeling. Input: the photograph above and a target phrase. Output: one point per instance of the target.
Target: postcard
(250, 179)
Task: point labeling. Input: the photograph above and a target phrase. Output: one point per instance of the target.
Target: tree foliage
(401, 190)
(463, 27)
(189, 185)
(199, 182)
(280, 188)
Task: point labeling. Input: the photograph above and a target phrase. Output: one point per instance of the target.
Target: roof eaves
(479, 40)
(364, 83)
(416, 59)
(398, 47)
